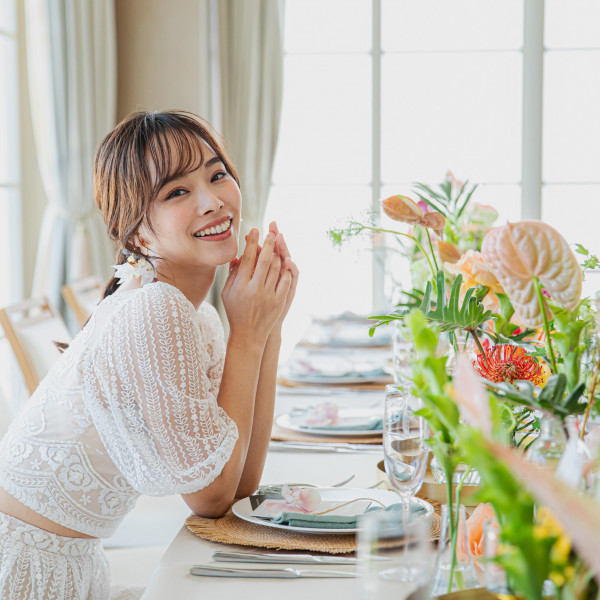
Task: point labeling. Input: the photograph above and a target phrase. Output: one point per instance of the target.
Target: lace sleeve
(149, 394)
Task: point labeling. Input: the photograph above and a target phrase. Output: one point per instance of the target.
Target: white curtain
(71, 63)
(250, 80)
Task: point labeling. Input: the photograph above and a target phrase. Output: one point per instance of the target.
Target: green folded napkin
(332, 521)
(374, 424)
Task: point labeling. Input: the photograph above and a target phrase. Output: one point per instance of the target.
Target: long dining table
(172, 579)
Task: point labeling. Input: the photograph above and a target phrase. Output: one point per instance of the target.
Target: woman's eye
(219, 175)
(176, 193)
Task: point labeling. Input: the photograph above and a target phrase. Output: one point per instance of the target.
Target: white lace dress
(130, 408)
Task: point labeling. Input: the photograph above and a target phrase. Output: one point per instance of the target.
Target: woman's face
(196, 219)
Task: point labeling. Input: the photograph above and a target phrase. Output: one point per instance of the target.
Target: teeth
(214, 230)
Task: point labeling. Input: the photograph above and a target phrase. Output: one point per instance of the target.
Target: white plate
(242, 508)
(287, 422)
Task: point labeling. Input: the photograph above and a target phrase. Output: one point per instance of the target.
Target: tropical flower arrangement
(514, 293)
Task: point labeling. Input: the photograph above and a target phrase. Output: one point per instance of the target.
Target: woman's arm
(265, 391)
(254, 299)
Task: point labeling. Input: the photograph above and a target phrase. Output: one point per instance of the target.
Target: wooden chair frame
(43, 312)
(75, 292)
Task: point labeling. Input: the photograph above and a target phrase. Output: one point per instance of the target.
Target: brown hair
(136, 159)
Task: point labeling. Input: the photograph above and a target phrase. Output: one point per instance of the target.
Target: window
(379, 94)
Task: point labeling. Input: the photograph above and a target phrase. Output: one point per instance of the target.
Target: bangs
(171, 153)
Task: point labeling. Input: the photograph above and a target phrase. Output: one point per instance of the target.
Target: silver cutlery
(299, 559)
(284, 573)
(326, 447)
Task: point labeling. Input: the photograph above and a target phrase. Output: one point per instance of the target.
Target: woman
(146, 399)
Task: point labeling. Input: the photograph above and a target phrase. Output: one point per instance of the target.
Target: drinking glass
(381, 537)
(405, 455)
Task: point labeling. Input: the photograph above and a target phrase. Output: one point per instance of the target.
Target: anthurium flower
(518, 252)
(405, 210)
(511, 363)
(306, 500)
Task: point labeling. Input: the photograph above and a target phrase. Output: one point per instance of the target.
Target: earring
(138, 268)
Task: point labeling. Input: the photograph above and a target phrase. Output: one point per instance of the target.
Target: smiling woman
(156, 403)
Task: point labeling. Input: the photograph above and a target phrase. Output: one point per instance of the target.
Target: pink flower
(304, 500)
(475, 527)
(322, 415)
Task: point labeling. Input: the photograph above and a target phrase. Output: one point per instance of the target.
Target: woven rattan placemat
(230, 529)
(287, 435)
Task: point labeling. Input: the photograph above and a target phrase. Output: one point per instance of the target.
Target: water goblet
(405, 456)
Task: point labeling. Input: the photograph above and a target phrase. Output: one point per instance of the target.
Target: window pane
(328, 25)
(451, 111)
(325, 134)
(332, 281)
(572, 24)
(9, 148)
(575, 211)
(8, 16)
(571, 117)
(411, 25)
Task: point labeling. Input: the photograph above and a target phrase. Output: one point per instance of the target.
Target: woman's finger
(248, 259)
(274, 271)
(233, 271)
(264, 260)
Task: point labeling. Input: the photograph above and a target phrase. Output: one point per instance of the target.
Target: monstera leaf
(450, 313)
(520, 253)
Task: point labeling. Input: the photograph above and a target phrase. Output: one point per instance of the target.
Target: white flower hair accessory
(138, 268)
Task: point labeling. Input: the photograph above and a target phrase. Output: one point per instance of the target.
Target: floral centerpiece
(514, 292)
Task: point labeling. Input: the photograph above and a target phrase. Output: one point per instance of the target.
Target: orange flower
(448, 252)
(475, 272)
(475, 527)
(405, 210)
(511, 363)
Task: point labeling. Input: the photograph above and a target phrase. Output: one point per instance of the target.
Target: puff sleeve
(148, 387)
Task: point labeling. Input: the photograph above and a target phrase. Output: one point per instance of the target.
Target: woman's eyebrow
(212, 161)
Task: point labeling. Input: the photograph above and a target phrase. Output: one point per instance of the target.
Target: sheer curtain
(71, 63)
(249, 77)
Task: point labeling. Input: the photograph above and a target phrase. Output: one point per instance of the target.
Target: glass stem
(405, 519)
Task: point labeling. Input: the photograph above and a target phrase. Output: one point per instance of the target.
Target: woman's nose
(209, 203)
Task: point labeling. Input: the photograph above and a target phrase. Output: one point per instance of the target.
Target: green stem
(542, 303)
(451, 533)
(588, 408)
(431, 248)
(414, 239)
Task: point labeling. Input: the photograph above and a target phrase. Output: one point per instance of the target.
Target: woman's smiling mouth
(215, 231)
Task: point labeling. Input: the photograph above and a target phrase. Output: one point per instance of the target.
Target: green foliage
(449, 314)
(553, 398)
(568, 339)
(591, 262)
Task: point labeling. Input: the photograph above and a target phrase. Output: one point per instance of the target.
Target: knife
(256, 557)
(287, 573)
(327, 447)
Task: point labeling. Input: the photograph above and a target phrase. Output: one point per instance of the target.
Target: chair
(32, 327)
(82, 297)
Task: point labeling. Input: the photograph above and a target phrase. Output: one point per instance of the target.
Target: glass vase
(454, 569)
(473, 477)
(463, 344)
(547, 449)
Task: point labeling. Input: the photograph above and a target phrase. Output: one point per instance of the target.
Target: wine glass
(405, 456)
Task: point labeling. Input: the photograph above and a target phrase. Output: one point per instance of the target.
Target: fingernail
(254, 233)
(271, 236)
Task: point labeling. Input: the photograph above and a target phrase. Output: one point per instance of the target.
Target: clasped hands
(261, 285)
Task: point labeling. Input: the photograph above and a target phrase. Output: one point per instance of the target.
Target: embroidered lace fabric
(130, 408)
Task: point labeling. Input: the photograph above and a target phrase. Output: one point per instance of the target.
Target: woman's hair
(144, 152)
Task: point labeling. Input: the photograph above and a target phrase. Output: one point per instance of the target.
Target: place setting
(304, 524)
